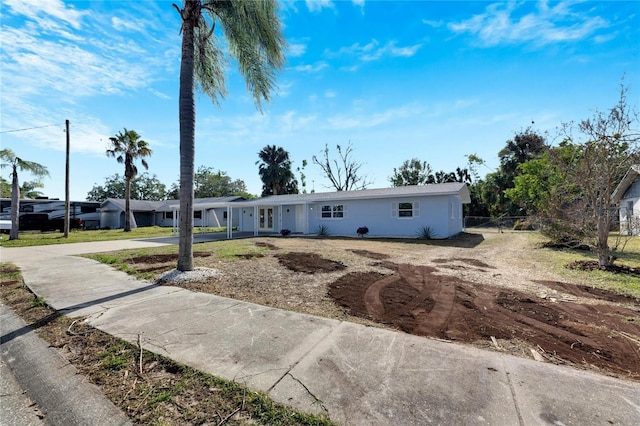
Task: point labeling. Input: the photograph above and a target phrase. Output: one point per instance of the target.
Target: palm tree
(275, 171)
(16, 163)
(254, 38)
(127, 147)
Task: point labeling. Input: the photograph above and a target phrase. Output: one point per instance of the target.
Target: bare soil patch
(589, 265)
(309, 263)
(489, 292)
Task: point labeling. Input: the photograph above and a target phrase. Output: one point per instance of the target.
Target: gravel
(197, 274)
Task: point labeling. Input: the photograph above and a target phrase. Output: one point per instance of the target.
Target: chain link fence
(500, 224)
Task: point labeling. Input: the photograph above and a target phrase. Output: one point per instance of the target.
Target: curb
(62, 395)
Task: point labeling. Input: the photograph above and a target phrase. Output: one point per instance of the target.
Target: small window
(334, 211)
(405, 209)
(224, 214)
(168, 215)
(197, 214)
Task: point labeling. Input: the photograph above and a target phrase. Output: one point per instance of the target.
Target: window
(168, 215)
(197, 214)
(405, 210)
(332, 211)
(224, 215)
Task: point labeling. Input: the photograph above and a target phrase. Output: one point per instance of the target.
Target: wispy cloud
(297, 49)
(357, 119)
(54, 58)
(317, 67)
(51, 14)
(318, 5)
(434, 24)
(373, 51)
(507, 23)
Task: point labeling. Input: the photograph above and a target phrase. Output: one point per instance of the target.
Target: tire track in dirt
(418, 301)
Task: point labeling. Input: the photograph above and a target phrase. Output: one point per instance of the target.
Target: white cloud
(434, 24)
(359, 2)
(319, 66)
(318, 5)
(329, 94)
(297, 49)
(505, 23)
(42, 12)
(364, 120)
(372, 51)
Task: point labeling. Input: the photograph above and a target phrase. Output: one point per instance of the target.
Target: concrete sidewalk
(358, 375)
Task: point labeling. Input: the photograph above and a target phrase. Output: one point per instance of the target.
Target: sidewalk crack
(513, 395)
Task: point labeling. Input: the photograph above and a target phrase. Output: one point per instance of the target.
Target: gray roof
(629, 178)
(456, 188)
(160, 206)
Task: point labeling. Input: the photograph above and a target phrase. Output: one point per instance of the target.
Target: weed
(38, 301)
(362, 231)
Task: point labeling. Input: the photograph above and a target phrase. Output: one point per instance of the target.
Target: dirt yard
(485, 290)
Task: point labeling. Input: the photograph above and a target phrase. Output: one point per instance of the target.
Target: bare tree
(343, 172)
(609, 149)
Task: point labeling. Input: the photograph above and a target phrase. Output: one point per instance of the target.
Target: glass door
(265, 222)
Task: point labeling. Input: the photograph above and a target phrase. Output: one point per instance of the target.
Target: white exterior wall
(630, 218)
(245, 219)
(380, 216)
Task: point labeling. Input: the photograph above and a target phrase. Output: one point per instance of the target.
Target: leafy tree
(489, 195)
(343, 173)
(28, 189)
(303, 177)
(459, 175)
(412, 172)
(5, 188)
(208, 183)
(275, 171)
(9, 159)
(539, 179)
(582, 200)
(254, 37)
(143, 187)
(126, 148)
(525, 145)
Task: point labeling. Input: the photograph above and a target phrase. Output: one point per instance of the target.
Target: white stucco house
(386, 212)
(627, 197)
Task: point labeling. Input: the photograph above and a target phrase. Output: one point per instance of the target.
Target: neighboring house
(627, 197)
(387, 212)
(207, 212)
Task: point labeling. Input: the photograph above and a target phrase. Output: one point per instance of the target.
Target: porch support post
(255, 221)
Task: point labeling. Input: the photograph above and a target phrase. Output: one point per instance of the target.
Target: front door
(265, 219)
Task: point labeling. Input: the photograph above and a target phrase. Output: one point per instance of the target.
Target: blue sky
(398, 80)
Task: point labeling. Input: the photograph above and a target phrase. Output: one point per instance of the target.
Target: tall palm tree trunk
(15, 204)
(187, 136)
(127, 205)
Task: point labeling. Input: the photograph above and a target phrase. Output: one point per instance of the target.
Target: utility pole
(66, 187)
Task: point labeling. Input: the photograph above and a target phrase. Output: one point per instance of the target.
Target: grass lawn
(37, 238)
(621, 283)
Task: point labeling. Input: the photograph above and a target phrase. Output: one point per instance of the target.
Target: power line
(28, 128)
